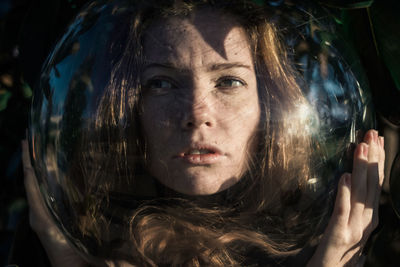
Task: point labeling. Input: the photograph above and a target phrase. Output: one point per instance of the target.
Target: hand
(355, 214)
(58, 250)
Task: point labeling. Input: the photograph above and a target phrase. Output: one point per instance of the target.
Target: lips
(200, 154)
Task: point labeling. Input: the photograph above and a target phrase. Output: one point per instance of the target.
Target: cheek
(154, 115)
(158, 121)
(253, 132)
(249, 123)
(242, 117)
(246, 125)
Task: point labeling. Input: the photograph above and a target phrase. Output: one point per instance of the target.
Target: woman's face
(200, 102)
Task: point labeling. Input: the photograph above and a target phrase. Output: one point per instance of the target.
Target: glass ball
(87, 144)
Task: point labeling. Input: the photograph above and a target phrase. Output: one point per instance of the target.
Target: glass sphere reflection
(68, 107)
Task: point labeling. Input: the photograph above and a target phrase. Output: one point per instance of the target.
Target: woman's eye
(229, 83)
(159, 84)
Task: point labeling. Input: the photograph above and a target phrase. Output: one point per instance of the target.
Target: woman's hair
(263, 216)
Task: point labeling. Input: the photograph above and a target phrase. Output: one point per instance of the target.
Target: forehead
(201, 37)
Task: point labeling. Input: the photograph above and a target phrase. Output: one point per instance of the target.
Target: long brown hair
(263, 216)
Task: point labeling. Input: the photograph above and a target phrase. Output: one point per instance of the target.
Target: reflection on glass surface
(69, 119)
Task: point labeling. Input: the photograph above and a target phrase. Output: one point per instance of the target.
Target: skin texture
(199, 93)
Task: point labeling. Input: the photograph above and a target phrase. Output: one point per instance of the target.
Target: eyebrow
(224, 66)
(212, 67)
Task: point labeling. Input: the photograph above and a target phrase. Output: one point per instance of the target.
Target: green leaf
(26, 90)
(4, 97)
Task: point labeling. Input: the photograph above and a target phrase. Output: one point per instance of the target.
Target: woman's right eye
(160, 84)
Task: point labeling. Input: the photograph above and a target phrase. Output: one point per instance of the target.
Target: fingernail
(373, 135)
(347, 179)
(365, 150)
(376, 136)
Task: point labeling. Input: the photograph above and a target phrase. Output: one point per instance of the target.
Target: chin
(201, 185)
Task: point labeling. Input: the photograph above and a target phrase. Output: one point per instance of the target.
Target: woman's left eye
(229, 83)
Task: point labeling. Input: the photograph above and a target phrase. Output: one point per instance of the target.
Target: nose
(198, 113)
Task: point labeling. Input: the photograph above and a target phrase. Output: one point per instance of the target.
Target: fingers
(31, 186)
(341, 212)
(336, 243)
(381, 159)
(39, 217)
(373, 168)
(359, 182)
(367, 179)
(355, 214)
(376, 159)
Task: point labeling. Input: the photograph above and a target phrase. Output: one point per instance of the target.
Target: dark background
(29, 29)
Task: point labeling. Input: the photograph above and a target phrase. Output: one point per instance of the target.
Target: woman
(196, 113)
